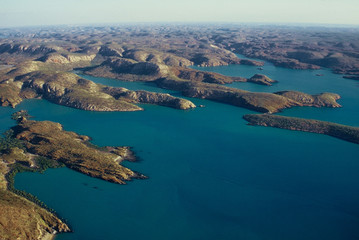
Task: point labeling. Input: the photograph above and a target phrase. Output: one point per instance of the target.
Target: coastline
(48, 236)
(343, 132)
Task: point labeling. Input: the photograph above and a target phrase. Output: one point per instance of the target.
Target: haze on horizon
(14, 13)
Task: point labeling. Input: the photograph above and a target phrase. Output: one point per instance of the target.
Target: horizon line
(289, 24)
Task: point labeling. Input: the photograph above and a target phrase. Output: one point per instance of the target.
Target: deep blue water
(211, 175)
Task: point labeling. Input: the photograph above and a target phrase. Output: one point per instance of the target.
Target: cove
(211, 176)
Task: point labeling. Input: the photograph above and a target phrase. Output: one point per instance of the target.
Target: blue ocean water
(211, 176)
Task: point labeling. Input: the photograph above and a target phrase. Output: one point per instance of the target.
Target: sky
(14, 13)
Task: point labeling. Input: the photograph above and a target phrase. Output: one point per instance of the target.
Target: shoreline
(48, 236)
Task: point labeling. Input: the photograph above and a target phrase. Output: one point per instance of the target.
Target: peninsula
(347, 133)
(35, 146)
(34, 80)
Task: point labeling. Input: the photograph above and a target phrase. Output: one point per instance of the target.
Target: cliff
(347, 133)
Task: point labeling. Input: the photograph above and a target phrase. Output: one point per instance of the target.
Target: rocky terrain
(186, 45)
(131, 70)
(299, 47)
(23, 219)
(37, 80)
(33, 80)
(22, 216)
(48, 139)
(347, 133)
(261, 102)
(35, 146)
(163, 55)
(39, 63)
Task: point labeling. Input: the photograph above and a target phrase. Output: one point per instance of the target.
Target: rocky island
(347, 133)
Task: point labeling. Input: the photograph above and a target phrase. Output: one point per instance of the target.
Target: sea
(211, 176)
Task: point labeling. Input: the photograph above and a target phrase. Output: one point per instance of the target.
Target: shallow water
(211, 175)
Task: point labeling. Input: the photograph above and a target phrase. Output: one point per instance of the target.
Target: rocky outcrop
(261, 79)
(212, 56)
(110, 51)
(156, 57)
(337, 61)
(200, 76)
(10, 94)
(67, 58)
(343, 132)
(261, 102)
(320, 100)
(14, 48)
(128, 69)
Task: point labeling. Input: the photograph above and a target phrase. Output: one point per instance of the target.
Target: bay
(211, 176)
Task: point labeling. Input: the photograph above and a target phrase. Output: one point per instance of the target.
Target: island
(344, 132)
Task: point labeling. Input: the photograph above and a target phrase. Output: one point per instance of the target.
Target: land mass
(36, 80)
(35, 146)
(161, 55)
(48, 139)
(186, 45)
(39, 63)
(23, 219)
(344, 132)
(261, 102)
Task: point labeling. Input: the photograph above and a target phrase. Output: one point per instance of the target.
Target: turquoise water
(304, 81)
(211, 175)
